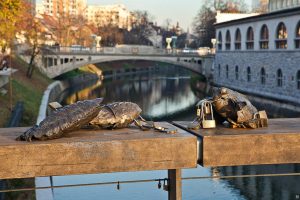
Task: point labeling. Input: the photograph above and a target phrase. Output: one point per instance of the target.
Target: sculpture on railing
(98, 44)
(168, 41)
(89, 114)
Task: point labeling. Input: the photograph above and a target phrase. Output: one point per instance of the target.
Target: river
(167, 95)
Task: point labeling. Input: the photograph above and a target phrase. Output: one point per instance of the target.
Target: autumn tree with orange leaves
(32, 30)
(10, 15)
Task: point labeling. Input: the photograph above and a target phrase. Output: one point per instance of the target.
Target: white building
(57, 7)
(261, 54)
(39, 8)
(275, 5)
(224, 17)
(102, 15)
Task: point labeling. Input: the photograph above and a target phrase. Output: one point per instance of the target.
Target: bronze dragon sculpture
(89, 114)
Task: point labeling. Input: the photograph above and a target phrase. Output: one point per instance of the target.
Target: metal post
(10, 85)
(174, 176)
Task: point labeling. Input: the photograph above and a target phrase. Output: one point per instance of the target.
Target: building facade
(118, 15)
(261, 55)
(99, 15)
(224, 17)
(275, 5)
(39, 9)
(56, 8)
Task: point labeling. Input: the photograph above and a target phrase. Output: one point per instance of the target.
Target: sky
(182, 11)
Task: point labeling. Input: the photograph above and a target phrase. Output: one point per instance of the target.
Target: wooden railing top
(279, 143)
(95, 151)
(130, 149)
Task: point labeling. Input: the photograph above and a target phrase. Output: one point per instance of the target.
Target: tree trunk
(31, 71)
(31, 65)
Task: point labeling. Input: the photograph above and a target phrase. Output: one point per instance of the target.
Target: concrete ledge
(4, 76)
(46, 96)
(7, 72)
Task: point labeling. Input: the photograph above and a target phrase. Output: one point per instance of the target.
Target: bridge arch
(61, 64)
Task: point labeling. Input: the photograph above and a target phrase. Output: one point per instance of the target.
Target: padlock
(207, 108)
(159, 184)
(118, 186)
(166, 186)
(259, 120)
(198, 112)
(208, 124)
(262, 114)
(262, 118)
(207, 120)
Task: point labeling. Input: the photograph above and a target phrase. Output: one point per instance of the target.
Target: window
(227, 71)
(250, 38)
(219, 70)
(281, 36)
(264, 37)
(298, 80)
(297, 37)
(238, 39)
(248, 74)
(220, 41)
(279, 78)
(263, 76)
(228, 40)
(236, 72)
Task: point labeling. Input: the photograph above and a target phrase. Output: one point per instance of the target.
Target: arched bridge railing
(58, 60)
(127, 49)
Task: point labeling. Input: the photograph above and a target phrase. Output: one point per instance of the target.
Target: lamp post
(174, 40)
(214, 42)
(94, 43)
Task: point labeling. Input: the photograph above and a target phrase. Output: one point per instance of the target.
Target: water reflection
(158, 96)
(165, 96)
(76, 94)
(281, 187)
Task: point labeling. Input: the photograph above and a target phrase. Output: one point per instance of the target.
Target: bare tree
(261, 8)
(167, 24)
(230, 6)
(203, 24)
(142, 26)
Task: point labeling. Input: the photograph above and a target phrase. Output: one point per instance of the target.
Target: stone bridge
(56, 61)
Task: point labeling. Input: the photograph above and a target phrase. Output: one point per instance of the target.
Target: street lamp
(174, 40)
(214, 42)
(94, 44)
